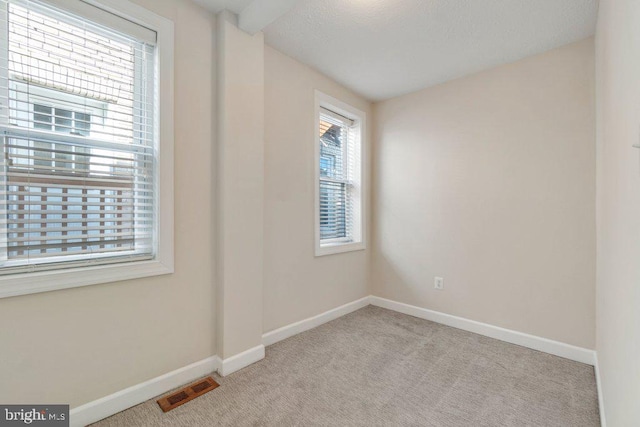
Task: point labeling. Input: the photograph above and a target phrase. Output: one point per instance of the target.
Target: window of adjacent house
(339, 178)
(79, 177)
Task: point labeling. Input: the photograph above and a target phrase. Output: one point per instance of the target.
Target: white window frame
(163, 262)
(359, 241)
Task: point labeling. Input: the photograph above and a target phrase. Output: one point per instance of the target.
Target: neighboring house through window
(61, 120)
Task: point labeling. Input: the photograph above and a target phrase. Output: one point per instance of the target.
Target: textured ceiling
(235, 6)
(385, 48)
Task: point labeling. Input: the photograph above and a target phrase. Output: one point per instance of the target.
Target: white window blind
(338, 178)
(78, 137)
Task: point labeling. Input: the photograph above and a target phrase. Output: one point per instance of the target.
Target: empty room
(320, 213)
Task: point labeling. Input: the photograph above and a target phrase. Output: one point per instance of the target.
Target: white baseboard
(124, 399)
(312, 322)
(557, 348)
(241, 360)
(603, 420)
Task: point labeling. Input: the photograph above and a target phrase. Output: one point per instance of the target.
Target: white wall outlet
(438, 283)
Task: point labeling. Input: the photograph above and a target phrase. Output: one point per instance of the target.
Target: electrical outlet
(438, 283)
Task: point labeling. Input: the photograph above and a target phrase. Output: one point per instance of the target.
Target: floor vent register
(187, 394)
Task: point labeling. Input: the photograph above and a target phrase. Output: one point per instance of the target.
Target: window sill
(30, 283)
(338, 248)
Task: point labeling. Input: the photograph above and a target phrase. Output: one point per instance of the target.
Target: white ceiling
(235, 6)
(385, 48)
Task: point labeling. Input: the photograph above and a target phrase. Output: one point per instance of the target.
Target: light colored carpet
(375, 367)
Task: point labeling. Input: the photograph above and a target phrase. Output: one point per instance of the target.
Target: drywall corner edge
(603, 420)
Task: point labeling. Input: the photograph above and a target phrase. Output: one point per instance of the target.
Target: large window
(80, 184)
(339, 194)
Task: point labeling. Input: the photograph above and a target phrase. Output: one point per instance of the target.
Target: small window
(339, 188)
(61, 120)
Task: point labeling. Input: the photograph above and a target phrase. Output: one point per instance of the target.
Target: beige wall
(488, 181)
(77, 345)
(618, 282)
(240, 184)
(298, 285)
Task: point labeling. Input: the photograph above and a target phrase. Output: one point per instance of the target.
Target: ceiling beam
(261, 13)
